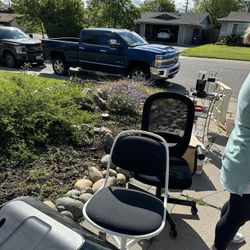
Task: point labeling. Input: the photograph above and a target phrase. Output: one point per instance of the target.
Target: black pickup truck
(112, 51)
(16, 47)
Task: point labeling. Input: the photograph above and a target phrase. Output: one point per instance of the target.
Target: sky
(178, 3)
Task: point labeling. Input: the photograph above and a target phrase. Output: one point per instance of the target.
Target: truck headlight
(158, 61)
(20, 49)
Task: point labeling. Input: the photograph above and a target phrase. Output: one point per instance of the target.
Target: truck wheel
(59, 66)
(139, 74)
(9, 59)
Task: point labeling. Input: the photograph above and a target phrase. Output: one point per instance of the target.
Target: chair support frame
(121, 239)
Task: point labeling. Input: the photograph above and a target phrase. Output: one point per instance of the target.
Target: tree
(2, 5)
(158, 6)
(30, 11)
(62, 17)
(112, 13)
(57, 17)
(217, 8)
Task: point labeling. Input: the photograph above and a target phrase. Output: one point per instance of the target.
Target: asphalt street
(231, 73)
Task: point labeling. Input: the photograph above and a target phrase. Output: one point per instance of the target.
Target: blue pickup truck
(112, 51)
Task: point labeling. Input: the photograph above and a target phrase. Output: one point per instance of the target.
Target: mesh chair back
(139, 155)
(170, 115)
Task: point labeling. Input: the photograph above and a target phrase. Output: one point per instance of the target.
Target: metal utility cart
(211, 98)
(204, 107)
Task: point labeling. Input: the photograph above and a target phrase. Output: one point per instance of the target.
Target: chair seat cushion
(125, 211)
(180, 176)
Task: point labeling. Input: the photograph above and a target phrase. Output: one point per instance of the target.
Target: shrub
(230, 40)
(36, 113)
(125, 98)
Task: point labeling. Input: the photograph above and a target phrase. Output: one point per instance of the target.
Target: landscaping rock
(85, 197)
(68, 214)
(60, 208)
(108, 142)
(102, 94)
(94, 174)
(123, 171)
(100, 102)
(104, 162)
(83, 184)
(111, 181)
(71, 205)
(121, 179)
(112, 172)
(87, 190)
(97, 185)
(87, 91)
(102, 130)
(74, 193)
(50, 204)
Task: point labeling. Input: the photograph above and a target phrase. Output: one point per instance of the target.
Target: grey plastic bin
(23, 227)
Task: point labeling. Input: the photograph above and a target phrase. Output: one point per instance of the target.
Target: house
(234, 24)
(184, 26)
(8, 19)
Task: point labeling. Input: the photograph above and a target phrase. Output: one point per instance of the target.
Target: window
(12, 33)
(107, 37)
(132, 39)
(239, 28)
(91, 38)
(234, 31)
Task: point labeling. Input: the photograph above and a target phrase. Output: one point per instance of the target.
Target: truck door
(114, 58)
(96, 54)
(89, 55)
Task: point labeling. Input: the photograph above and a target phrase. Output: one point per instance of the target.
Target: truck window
(108, 36)
(132, 39)
(91, 39)
(12, 33)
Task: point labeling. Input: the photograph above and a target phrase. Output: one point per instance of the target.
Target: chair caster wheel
(194, 210)
(173, 233)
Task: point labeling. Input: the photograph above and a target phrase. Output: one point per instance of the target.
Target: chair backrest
(140, 152)
(170, 115)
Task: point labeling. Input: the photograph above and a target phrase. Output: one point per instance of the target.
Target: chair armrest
(199, 155)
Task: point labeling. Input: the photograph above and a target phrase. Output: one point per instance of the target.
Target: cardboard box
(229, 125)
(189, 155)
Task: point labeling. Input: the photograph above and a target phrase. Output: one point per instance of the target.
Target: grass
(219, 52)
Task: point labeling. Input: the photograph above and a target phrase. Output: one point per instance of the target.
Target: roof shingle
(6, 17)
(237, 17)
(175, 19)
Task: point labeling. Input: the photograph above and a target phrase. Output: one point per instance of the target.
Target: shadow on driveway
(187, 237)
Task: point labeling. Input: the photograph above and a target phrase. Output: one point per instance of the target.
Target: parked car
(16, 47)
(165, 34)
(112, 51)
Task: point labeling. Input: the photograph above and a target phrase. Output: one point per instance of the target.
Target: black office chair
(126, 213)
(171, 115)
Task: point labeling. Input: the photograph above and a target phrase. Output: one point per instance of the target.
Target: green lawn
(219, 52)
